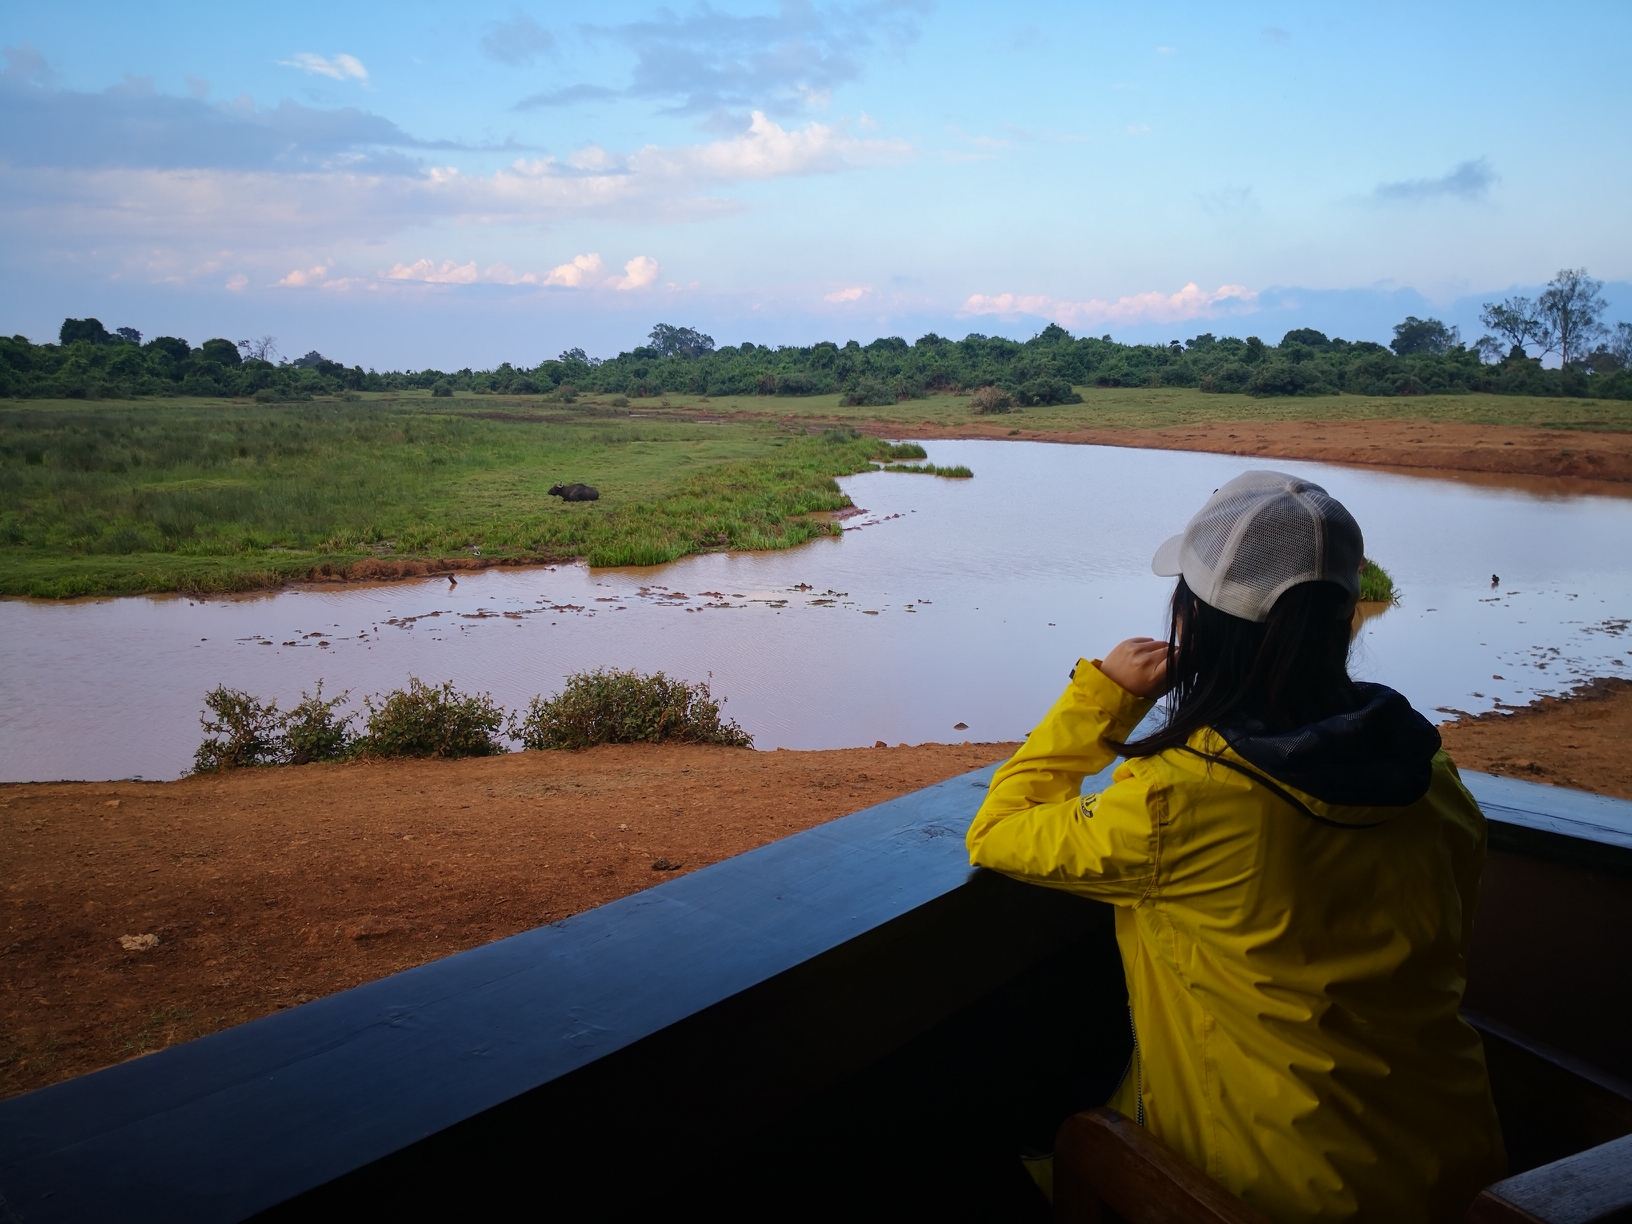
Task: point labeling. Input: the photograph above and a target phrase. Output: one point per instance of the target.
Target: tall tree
(1571, 307)
(90, 331)
(1515, 321)
(1419, 336)
(671, 341)
(262, 348)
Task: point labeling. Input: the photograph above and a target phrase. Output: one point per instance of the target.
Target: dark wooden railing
(850, 1014)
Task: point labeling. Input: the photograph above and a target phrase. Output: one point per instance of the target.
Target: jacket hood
(1380, 754)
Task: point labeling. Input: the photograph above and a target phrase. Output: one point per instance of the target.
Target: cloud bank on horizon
(420, 187)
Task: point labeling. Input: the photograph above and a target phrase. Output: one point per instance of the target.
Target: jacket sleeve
(1035, 826)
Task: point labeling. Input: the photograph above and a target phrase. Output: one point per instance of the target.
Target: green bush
(312, 732)
(1046, 390)
(243, 732)
(905, 450)
(870, 392)
(624, 707)
(421, 721)
(441, 390)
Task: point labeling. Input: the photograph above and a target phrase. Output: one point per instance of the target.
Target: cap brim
(1166, 560)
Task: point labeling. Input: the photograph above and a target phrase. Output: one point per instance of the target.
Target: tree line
(1425, 356)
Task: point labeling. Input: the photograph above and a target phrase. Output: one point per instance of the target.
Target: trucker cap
(1258, 535)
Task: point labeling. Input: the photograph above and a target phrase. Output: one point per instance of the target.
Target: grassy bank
(106, 497)
(102, 498)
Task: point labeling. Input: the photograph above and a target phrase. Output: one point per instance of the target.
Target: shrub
(870, 392)
(1375, 584)
(311, 731)
(421, 721)
(989, 400)
(243, 732)
(441, 390)
(1046, 390)
(619, 401)
(624, 707)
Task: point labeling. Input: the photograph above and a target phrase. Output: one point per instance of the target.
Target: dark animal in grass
(576, 492)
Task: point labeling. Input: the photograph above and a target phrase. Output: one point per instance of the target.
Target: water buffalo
(576, 492)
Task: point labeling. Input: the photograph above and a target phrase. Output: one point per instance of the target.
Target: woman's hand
(1138, 665)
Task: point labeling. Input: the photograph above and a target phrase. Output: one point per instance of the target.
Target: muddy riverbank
(1451, 446)
(266, 888)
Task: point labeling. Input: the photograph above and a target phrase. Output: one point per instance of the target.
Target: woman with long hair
(1294, 865)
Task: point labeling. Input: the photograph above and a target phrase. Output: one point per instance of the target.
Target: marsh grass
(955, 472)
(1376, 586)
(905, 450)
(625, 707)
(109, 498)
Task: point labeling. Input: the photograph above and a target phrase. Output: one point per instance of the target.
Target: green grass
(106, 497)
(1376, 586)
(101, 498)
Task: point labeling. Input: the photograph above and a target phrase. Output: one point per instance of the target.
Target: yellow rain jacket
(1294, 976)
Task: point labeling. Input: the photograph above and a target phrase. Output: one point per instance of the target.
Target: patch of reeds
(1376, 586)
(904, 450)
(624, 707)
(955, 472)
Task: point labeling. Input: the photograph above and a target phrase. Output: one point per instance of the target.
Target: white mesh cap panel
(1262, 533)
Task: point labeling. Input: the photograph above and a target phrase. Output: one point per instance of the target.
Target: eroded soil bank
(1455, 446)
(266, 888)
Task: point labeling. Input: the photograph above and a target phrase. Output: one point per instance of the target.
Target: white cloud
(768, 150)
(854, 293)
(300, 278)
(638, 273)
(1153, 307)
(583, 270)
(335, 67)
(190, 221)
(237, 282)
(445, 273)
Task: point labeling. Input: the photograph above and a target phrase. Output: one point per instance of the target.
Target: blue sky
(414, 184)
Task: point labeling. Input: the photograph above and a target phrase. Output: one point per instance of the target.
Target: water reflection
(948, 602)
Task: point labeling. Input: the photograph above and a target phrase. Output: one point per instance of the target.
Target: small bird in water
(1495, 581)
(452, 582)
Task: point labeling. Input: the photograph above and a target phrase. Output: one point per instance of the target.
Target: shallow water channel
(948, 602)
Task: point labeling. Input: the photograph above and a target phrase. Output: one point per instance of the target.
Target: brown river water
(948, 602)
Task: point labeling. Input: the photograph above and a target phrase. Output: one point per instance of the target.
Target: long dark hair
(1291, 670)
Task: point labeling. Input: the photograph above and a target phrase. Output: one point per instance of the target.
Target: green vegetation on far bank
(202, 496)
(211, 495)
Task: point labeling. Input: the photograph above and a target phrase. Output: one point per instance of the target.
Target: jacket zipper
(1138, 1071)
